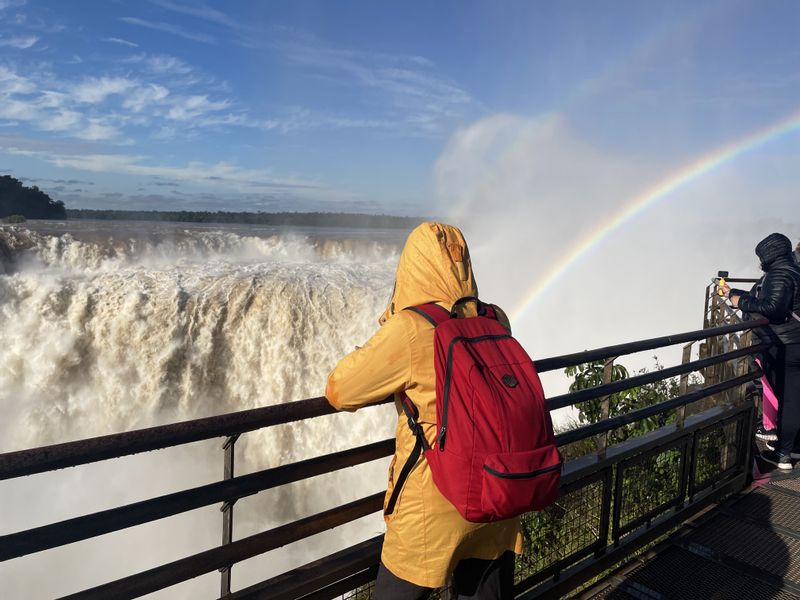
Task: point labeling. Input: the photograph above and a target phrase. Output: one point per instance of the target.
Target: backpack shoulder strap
(432, 313)
(420, 446)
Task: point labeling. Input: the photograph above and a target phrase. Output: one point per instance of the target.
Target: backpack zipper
(530, 475)
(449, 374)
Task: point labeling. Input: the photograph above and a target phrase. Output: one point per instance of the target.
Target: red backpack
(495, 455)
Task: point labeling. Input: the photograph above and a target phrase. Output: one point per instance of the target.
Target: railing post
(680, 417)
(227, 512)
(743, 365)
(707, 306)
(605, 407)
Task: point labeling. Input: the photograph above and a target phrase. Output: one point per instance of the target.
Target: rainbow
(675, 181)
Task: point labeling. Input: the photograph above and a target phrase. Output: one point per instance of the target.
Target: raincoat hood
(773, 247)
(434, 267)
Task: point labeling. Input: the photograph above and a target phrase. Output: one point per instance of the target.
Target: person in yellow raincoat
(426, 538)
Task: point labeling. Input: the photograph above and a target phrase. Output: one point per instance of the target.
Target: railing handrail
(738, 280)
(587, 431)
(576, 397)
(70, 454)
(576, 358)
(89, 450)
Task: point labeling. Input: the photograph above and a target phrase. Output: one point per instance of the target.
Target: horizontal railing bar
(70, 454)
(588, 464)
(80, 528)
(588, 431)
(190, 567)
(742, 280)
(315, 575)
(625, 384)
(577, 358)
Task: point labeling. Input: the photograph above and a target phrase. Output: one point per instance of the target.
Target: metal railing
(601, 517)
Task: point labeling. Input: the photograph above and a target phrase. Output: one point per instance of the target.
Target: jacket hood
(772, 248)
(434, 267)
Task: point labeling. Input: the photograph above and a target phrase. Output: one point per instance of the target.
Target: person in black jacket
(779, 301)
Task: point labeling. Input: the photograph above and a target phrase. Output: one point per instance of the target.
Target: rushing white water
(122, 333)
(106, 329)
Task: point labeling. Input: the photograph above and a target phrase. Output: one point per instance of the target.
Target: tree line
(18, 200)
(310, 219)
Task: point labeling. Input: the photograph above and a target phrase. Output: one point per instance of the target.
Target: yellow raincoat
(426, 537)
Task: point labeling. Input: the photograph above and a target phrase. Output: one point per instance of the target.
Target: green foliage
(314, 219)
(14, 219)
(589, 375)
(29, 202)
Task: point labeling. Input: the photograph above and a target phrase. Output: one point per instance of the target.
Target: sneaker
(780, 460)
(794, 454)
(768, 435)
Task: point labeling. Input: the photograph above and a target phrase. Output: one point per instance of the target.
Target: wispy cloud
(199, 11)
(96, 89)
(410, 86)
(219, 175)
(102, 108)
(194, 106)
(164, 64)
(97, 130)
(120, 41)
(18, 110)
(63, 120)
(171, 29)
(303, 119)
(145, 96)
(12, 83)
(61, 181)
(22, 42)
(4, 4)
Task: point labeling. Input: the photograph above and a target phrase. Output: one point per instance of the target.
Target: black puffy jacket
(778, 297)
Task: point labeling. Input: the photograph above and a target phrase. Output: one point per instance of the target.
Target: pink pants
(769, 408)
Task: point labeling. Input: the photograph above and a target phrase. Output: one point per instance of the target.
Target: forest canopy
(309, 219)
(29, 202)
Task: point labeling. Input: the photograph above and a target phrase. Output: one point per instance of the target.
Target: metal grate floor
(755, 545)
(749, 549)
(792, 484)
(771, 505)
(682, 575)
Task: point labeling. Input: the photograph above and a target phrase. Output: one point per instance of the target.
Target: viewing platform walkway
(748, 547)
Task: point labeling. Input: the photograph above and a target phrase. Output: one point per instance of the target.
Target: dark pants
(473, 579)
(782, 368)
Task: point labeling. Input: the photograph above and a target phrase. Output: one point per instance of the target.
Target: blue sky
(299, 105)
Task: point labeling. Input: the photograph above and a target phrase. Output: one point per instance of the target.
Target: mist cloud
(527, 191)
